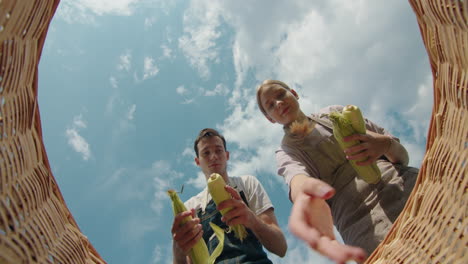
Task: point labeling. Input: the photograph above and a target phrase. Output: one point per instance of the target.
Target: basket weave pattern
(35, 224)
(433, 228)
(37, 227)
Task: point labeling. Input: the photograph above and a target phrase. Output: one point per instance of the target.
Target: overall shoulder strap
(239, 186)
(322, 120)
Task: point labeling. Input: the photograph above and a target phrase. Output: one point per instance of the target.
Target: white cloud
(181, 90)
(149, 21)
(114, 178)
(135, 226)
(162, 254)
(157, 255)
(188, 101)
(167, 52)
(113, 82)
(164, 178)
(131, 112)
(199, 181)
(72, 10)
(417, 117)
(85, 11)
(188, 152)
(332, 52)
(150, 69)
(417, 114)
(118, 183)
(146, 184)
(125, 61)
(78, 122)
(220, 89)
(125, 124)
(198, 43)
(75, 140)
(78, 143)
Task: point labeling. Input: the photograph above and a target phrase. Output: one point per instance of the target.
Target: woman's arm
(311, 220)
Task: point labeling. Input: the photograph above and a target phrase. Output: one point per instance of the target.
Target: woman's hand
(312, 222)
(372, 146)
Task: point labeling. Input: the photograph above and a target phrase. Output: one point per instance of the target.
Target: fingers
(317, 234)
(236, 200)
(186, 235)
(188, 242)
(178, 220)
(299, 225)
(356, 149)
(233, 192)
(359, 137)
(235, 217)
(318, 188)
(338, 252)
(239, 213)
(356, 156)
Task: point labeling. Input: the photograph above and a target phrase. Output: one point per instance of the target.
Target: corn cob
(216, 185)
(347, 123)
(353, 114)
(199, 253)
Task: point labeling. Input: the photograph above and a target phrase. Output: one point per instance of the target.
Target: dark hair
(207, 133)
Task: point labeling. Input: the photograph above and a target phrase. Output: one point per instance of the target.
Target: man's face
(212, 157)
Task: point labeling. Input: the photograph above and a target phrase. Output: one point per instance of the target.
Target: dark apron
(248, 251)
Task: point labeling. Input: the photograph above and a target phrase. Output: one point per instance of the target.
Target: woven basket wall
(37, 227)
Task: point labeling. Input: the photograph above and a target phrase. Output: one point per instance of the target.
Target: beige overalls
(363, 213)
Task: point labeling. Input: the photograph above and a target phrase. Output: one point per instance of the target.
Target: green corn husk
(199, 253)
(347, 123)
(216, 185)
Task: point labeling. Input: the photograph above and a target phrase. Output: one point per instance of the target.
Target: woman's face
(280, 104)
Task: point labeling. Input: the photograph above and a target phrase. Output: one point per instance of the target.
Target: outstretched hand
(311, 221)
(372, 146)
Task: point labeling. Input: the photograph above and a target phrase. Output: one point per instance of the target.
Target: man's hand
(264, 226)
(186, 235)
(240, 212)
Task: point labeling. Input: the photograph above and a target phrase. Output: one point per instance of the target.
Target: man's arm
(264, 226)
(266, 229)
(179, 256)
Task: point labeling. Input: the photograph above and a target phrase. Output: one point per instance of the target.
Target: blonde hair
(266, 84)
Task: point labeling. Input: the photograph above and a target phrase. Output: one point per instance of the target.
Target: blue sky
(125, 86)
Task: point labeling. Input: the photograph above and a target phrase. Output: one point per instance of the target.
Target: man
(251, 208)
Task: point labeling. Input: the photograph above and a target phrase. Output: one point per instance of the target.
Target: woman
(324, 187)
